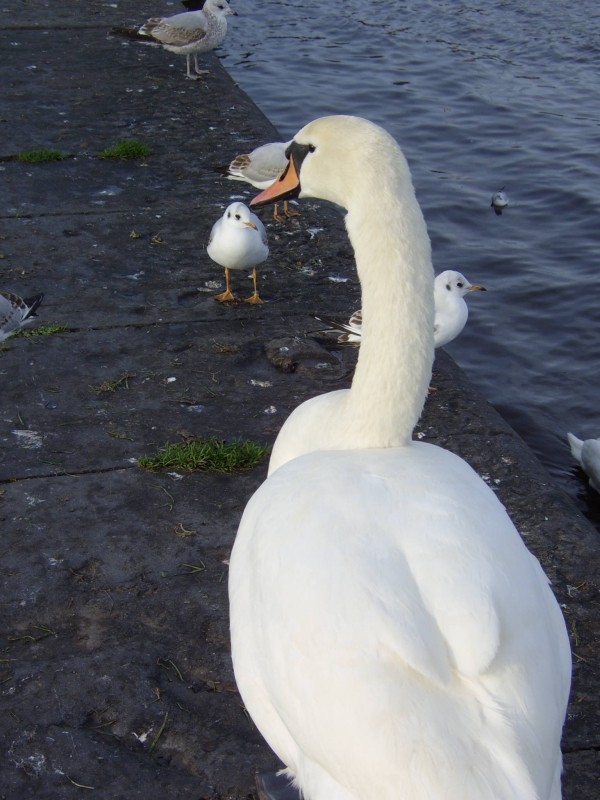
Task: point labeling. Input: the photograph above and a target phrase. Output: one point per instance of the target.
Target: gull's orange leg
(227, 295)
(254, 298)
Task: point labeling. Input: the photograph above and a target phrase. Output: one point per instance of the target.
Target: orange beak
(285, 186)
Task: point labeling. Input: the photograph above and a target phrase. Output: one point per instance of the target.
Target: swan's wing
(375, 546)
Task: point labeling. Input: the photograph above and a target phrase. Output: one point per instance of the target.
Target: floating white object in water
(238, 241)
(451, 311)
(259, 168)
(499, 201)
(186, 34)
(16, 312)
(587, 455)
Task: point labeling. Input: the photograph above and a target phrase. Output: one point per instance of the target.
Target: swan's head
(238, 215)
(334, 158)
(451, 283)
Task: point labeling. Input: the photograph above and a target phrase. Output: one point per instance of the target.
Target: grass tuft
(206, 455)
(42, 156)
(43, 330)
(112, 386)
(126, 149)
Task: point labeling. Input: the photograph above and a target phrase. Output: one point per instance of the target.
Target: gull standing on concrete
(260, 168)
(16, 312)
(451, 311)
(587, 455)
(186, 34)
(238, 241)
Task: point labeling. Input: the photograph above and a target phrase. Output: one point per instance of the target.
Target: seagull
(238, 241)
(186, 34)
(587, 455)
(499, 201)
(260, 168)
(451, 311)
(16, 312)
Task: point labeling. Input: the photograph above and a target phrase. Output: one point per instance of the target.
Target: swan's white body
(392, 637)
(587, 455)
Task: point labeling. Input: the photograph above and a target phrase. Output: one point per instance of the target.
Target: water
(480, 96)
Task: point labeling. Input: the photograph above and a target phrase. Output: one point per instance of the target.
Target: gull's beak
(285, 186)
(251, 225)
(474, 288)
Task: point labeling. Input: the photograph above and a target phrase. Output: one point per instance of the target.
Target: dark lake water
(480, 95)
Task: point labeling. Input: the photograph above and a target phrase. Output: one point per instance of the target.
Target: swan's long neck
(393, 259)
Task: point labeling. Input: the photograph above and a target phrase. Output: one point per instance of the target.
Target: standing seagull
(16, 312)
(238, 241)
(587, 455)
(260, 168)
(451, 311)
(186, 34)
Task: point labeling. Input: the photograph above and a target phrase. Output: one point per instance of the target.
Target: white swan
(587, 455)
(451, 311)
(392, 637)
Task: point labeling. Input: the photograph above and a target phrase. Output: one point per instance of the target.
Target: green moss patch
(126, 149)
(206, 455)
(42, 156)
(43, 330)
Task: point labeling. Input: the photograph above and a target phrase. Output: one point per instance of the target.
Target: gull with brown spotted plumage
(259, 168)
(186, 34)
